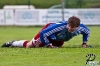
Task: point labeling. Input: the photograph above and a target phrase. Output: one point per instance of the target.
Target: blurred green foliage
(50, 3)
(82, 3)
(36, 3)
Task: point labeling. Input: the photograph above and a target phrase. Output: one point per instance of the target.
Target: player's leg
(56, 43)
(36, 41)
(20, 43)
(14, 43)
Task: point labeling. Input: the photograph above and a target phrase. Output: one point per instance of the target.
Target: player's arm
(85, 39)
(86, 34)
(47, 32)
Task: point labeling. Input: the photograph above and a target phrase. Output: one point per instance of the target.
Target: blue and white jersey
(51, 31)
(60, 30)
(82, 29)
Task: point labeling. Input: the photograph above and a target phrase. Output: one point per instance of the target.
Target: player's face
(71, 29)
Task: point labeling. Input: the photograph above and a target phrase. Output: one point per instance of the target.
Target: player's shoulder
(81, 24)
(84, 26)
(62, 22)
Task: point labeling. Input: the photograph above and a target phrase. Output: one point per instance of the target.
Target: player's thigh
(57, 43)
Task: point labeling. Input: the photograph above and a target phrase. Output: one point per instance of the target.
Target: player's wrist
(84, 42)
(85, 45)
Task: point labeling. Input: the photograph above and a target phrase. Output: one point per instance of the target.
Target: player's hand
(51, 46)
(85, 45)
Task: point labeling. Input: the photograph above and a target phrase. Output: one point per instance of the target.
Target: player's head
(73, 23)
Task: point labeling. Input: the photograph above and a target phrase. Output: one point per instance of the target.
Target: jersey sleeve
(85, 37)
(50, 31)
(85, 32)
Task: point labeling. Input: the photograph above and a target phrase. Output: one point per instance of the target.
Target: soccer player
(55, 34)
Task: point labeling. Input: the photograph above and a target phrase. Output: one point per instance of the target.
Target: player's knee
(29, 45)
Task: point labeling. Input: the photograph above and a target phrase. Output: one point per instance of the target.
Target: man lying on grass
(55, 34)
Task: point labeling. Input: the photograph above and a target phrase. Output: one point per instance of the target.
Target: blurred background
(40, 12)
(57, 3)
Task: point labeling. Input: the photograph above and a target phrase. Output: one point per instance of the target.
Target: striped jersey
(58, 31)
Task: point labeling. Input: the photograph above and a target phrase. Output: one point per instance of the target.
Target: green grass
(71, 54)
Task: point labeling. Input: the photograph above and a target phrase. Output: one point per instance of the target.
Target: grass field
(71, 54)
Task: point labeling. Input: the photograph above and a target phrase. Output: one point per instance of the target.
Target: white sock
(18, 43)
